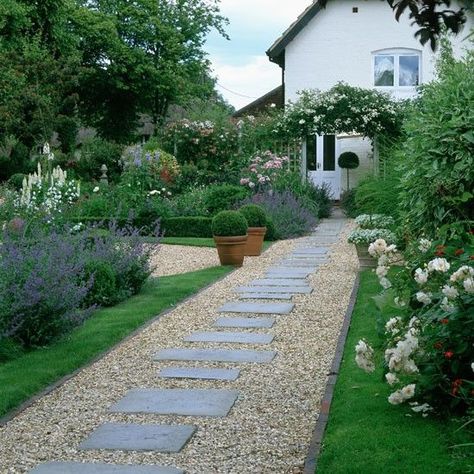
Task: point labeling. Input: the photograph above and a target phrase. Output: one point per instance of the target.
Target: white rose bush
(428, 347)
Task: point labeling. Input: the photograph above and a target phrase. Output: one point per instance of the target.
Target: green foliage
(229, 223)
(16, 180)
(93, 154)
(438, 169)
(103, 291)
(348, 160)
(348, 203)
(187, 227)
(224, 197)
(255, 215)
(191, 203)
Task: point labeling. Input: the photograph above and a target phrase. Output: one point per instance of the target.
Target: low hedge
(187, 227)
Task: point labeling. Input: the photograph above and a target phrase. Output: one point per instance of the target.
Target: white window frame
(396, 53)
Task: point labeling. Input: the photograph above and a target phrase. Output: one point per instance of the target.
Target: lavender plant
(289, 215)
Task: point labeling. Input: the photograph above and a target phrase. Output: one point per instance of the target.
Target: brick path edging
(323, 417)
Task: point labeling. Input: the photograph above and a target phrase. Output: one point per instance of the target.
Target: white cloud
(254, 79)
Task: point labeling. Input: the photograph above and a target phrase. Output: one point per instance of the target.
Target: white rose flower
(96, 189)
(153, 192)
(439, 265)
(396, 398)
(421, 276)
(391, 378)
(423, 297)
(391, 324)
(424, 245)
(447, 306)
(469, 285)
(408, 391)
(398, 302)
(381, 271)
(385, 282)
(450, 292)
(472, 366)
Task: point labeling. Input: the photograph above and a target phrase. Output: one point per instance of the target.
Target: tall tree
(142, 56)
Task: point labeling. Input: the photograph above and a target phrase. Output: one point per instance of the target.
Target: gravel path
(269, 428)
(174, 259)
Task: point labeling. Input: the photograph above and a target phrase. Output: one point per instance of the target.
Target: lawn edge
(50, 388)
(322, 419)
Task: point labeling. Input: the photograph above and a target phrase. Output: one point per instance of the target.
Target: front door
(321, 157)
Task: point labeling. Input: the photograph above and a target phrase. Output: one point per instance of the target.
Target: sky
(241, 65)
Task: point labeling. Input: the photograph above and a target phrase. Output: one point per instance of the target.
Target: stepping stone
(288, 272)
(133, 437)
(230, 337)
(275, 289)
(259, 308)
(306, 266)
(265, 296)
(176, 401)
(279, 282)
(245, 322)
(311, 251)
(57, 467)
(199, 373)
(216, 355)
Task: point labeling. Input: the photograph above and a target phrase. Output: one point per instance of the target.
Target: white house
(361, 43)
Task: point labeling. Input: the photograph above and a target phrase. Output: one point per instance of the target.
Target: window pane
(329, 150)
(311, 153)
(409, 71)
(384, 70)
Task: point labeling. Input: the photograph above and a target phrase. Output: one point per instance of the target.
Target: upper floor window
(396, 68)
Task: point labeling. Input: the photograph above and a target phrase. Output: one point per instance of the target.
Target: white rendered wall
(338, 45)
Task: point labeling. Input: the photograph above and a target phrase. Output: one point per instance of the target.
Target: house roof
(275, 96)
(276, 52)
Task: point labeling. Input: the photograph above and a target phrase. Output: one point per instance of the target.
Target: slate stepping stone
(133, 437)
(279, 282)
(259, 308)
(175, 401)
(216, 355)
(265, 296)
(199, 373)
(245, 322)
(311, 251)
(305, 266)
(230, 337)
(288, 272)
(57, 467)
(274, 289)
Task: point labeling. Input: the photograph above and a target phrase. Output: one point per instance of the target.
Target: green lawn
(23, 377)
(367, 435)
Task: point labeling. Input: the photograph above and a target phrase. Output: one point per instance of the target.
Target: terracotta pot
(255, 241)
(365, 259)
(231, 250)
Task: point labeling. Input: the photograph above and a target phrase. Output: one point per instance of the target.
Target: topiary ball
(254, 214)
(229, 223)
(348, 160)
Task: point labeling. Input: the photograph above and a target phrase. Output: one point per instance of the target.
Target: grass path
(27, 375)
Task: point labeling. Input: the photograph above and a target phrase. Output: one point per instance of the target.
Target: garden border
(322, 419)
(30, 401)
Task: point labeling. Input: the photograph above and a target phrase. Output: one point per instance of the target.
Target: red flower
(455, 386)
(472, 257)
(458, 252)
(448, 354)
(440, 250)
(438, 345)
(444, 321)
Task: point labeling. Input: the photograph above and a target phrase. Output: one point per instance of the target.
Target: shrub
(255, 215)
(94, 153)
(289, 216)
(187, 227)
(263, 170)
(41, 287)
(16, 180)
(367, 236)
(229, 223)
(223, 197)
(191, 203)
(438, 172)
(429, 345)
(349, 161)
(103, 289)
(374, 221)
(348, 203)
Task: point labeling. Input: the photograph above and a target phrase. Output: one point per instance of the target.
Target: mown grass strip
(22, 378)
(367, 435)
